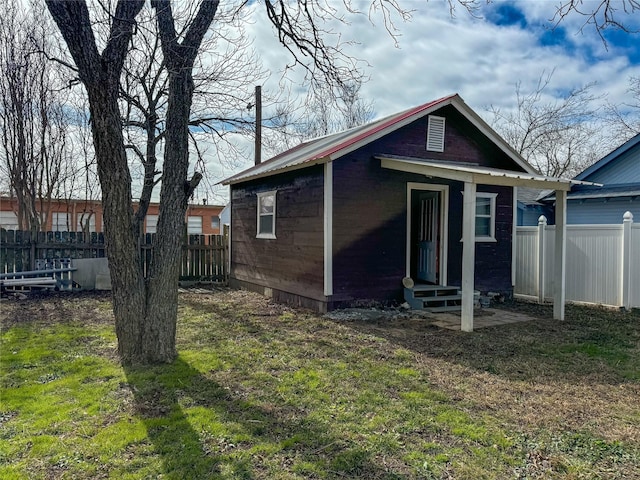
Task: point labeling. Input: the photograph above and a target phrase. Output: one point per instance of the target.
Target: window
(59, 222)
(152, 224)
(8, 221)
(435, 134)
(267, 215)
(215, 221)
(194, 225)
(486, 217)
(84, 219)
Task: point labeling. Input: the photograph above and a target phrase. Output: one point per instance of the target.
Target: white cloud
(439, 55)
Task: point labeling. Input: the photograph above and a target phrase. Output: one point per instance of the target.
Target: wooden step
(433, 298)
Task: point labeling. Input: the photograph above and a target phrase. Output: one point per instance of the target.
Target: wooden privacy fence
(602, 263)
(204, 257)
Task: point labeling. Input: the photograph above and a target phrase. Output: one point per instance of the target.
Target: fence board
(635, 266)
(204, 257)
(594, 263)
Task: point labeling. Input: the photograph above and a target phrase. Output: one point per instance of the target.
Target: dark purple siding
(370, 215)
(293, 262)
(369, 222)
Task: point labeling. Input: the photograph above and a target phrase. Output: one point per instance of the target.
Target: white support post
(328, 229)
(542, 256)
(468, 255)
(560, 255)
(627, 221)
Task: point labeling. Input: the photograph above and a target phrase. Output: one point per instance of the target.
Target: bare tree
(34, 123)
(318, 117)
(600, 14)
(556, 136)
(625, 119)
(223, 86)
(146, 308)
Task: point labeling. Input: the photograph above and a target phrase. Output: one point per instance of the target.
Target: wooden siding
(293, 261)
(369, 222)
(370, 208)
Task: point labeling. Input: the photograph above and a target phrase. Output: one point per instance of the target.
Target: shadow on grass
(202, 430)
(592, 342)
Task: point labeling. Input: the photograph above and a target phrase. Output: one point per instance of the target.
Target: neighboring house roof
(606, 160)
(615, 175)
(531, 196)
(331, 147)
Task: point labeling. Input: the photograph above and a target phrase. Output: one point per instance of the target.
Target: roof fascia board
(473, 177)
(392, 128)
(271, 173)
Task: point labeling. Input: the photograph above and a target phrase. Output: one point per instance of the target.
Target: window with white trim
(486, 217)
(8, 220)
(152, 223)
(59, 222)
(266, 215)
(194, 225)
(435, 134)
(88, 219)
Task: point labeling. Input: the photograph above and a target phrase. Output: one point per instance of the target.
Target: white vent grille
(435, 134)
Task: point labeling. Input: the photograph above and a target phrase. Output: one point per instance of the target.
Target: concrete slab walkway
(483, 318)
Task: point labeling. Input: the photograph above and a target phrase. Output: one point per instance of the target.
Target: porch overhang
(476, 174)
(471, 176)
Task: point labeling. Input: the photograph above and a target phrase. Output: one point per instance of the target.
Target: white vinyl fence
(602, 263)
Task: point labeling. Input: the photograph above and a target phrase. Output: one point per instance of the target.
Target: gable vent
(435, 134)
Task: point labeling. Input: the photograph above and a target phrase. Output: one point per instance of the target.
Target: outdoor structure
(426, 194)
(86, 215)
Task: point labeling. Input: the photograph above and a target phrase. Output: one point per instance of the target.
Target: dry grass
(268, 391)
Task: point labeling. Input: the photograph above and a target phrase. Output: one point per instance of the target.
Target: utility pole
(258, 146)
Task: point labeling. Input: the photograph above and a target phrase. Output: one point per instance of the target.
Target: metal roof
(476, 174)
(331, 147)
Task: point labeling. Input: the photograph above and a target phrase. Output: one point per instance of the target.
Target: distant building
(76, 215)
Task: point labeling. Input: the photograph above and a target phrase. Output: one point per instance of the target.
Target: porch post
(560, 255)
(468, 255)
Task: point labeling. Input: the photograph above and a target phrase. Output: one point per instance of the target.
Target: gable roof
(331, 147)
(622, 149)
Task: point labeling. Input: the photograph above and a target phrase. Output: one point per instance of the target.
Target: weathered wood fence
(602, 263)
(204, 257)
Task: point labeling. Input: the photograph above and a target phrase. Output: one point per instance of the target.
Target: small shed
(428, 194)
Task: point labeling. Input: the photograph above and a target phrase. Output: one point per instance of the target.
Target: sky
(481, 56)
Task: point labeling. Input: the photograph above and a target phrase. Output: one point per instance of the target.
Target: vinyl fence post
(542, 228)
(627, 221)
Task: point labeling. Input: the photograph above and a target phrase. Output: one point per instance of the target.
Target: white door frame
(444, 225)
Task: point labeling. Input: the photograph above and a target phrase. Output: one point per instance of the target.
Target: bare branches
(35, 125)
(555, 136)
(600, 15)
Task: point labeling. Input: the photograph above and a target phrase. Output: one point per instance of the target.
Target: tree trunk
(145, 310)
(174, 196)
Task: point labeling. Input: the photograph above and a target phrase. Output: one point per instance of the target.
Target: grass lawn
(268, 391)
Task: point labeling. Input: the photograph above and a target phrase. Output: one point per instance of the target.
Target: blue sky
(482, 57)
